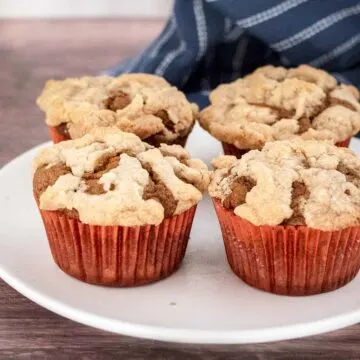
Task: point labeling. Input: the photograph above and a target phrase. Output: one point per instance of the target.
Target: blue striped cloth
(206, 43)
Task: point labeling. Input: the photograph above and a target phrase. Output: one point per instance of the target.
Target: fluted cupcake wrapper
(56, 137)
(230, 149)
(118, 255)
(344, 143)
(289, 260)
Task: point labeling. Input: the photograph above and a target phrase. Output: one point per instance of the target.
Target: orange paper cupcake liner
(230, 149)
(289, 260)
(344, 143)
(56, 137)
(118, 255)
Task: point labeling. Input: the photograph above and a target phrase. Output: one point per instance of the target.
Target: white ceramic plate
(202, 303)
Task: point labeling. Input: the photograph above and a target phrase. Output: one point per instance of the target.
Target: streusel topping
(109, 177)
(294, 182)
(275, 103)
(143, 104)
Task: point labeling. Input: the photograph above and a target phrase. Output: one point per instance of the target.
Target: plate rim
(179, 335)
(182, 335)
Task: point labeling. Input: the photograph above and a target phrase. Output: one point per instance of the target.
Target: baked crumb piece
(109, 177)
(291, 182)
(299, 195)
(275, 103)
(117, 101)
(143, 104)
(239, 189)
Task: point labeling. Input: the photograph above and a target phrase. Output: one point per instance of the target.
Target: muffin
(143, 104)
(275, 103)
(290, 215)
(116, 210)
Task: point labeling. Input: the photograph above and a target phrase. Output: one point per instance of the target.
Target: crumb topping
(143, 104)
(291, 182)
(109, 177)
(275, 103)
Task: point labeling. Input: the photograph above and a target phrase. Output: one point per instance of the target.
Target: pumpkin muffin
(290, 215)
(143, 104)
(116, 210)
(275, 103)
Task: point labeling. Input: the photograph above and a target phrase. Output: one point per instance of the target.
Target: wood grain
(30, 53)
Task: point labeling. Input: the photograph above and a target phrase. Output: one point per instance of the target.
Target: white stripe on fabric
(185, 78)
(137, 60)
(346, 46)
(285, 61)
(269, 13)
(234, 34)
(315, 28)
(239, 57)
(200, 27)
(164, 38)
(169, 58)
(227, 25)
(209, 59)
(157, 42)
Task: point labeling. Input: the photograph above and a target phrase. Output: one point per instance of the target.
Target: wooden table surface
(30, 53)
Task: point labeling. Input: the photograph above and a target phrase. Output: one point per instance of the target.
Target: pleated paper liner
(56, 137)
(344, 143)
(230, 149)
(118, 255)
(289, 260)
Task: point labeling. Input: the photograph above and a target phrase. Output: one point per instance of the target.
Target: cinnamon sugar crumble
(109, 177)
(292, 182)
(143, 104)
(275, 103)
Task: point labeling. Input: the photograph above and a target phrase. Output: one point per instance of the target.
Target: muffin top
(143, 104)
(275, 103)
(312, 183)
(109, 177)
